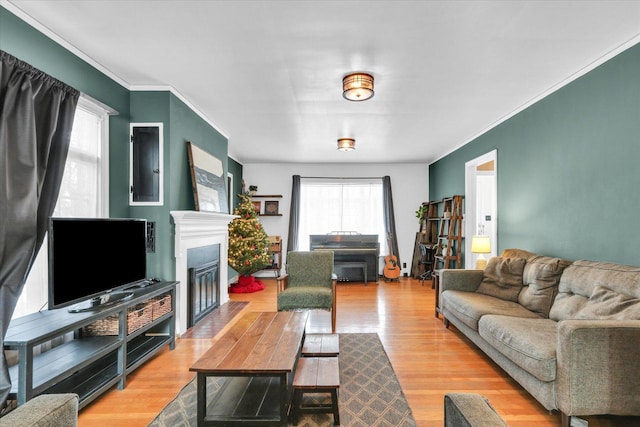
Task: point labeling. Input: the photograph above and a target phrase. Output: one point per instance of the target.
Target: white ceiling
(267, 74)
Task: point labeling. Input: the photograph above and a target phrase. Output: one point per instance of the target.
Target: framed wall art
(271, 207)
(207, 177)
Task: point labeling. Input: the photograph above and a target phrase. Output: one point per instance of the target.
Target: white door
(481, 202)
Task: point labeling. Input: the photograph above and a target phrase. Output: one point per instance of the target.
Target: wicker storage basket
(161, 306)
(137, 317)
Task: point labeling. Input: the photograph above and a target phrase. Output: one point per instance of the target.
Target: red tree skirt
(245, 285)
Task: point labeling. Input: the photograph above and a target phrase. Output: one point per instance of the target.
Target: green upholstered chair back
(310, 268)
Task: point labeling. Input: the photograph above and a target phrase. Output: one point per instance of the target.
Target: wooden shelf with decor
(275, 254)
(268, 207)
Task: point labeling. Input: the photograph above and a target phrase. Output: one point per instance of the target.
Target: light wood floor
(428, 359)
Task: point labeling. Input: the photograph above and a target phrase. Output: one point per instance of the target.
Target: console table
(88, 365)
(257, 356)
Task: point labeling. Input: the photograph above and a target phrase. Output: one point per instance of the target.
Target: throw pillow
(503, 278)
(605, 303)
(518, 253)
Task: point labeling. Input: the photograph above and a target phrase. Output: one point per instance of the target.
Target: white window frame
(303, 243)
(103, 112)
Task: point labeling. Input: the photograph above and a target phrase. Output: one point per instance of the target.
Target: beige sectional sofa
(568, 332)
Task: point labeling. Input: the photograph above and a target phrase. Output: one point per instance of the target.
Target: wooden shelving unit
(427, 234)
(449, 254)
(441, 225)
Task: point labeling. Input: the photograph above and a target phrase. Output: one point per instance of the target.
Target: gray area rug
(370, 394)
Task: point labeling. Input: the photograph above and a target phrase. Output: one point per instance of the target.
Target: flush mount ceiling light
(346, 144)
(357, 86)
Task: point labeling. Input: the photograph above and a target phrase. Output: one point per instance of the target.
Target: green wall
(187, 126)
(24, 42)
(235, 169)
(181, 124)
(153, 107)
(567, 168)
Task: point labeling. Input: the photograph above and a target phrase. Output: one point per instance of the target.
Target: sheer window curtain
(322, 205)
(36, 118)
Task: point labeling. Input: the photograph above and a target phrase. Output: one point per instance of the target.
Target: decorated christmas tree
(248, 246)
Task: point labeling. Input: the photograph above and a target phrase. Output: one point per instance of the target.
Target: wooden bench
(316, 375)
(321, 345)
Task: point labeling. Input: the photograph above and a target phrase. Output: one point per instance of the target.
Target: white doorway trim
(470, 215)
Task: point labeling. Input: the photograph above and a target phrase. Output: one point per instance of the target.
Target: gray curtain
(390, 217)
(36, 117)
(294, 215)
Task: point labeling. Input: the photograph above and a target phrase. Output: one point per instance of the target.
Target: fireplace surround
(194, 229)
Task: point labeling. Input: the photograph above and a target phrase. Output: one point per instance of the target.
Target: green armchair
(309, 283)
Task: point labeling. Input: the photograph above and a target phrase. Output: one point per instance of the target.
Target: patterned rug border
(370, 394)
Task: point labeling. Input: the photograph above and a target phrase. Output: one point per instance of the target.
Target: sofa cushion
(529, 343)
(540, 279)
(503, 278)
(582, 279)
(469, 307)
(45, 410)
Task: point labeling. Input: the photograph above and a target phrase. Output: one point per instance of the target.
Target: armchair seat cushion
(309, 297)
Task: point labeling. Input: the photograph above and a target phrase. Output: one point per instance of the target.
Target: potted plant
(421, 212)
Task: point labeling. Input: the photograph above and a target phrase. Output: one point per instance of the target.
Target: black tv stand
(88, 364)
(102, 302)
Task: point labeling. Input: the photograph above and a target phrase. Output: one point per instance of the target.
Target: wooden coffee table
(257, 356)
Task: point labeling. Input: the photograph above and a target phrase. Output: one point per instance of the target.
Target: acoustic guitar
(391, 268)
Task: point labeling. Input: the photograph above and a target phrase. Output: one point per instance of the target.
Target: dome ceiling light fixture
(346, 144)
(357, 86)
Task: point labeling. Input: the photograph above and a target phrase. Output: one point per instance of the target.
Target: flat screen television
(94, 261)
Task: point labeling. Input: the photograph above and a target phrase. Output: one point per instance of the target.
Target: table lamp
(480, 245)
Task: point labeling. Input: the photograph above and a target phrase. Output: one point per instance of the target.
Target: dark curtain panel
(36, 117)
(294, 215)
(390, 217)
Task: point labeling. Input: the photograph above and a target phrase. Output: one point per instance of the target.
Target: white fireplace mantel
(195, 229)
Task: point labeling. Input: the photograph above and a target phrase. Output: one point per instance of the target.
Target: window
(346, 205)
(83, 193)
